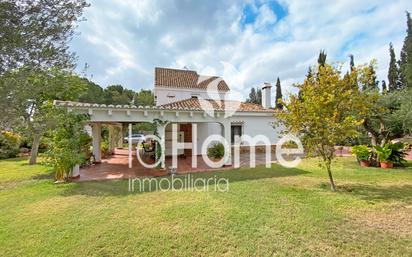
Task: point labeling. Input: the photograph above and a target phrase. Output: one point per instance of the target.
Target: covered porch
(116, 166)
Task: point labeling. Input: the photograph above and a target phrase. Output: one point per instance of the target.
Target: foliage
(362, 152)
(406, 56)
(255, 96)
(326, 111)
(393, 72)
(398, 154)
(35, 34)
(116, 94)
(9, 144)
(104, 148)
(68, 143)
(322, 58)
(278, 97)
(216, 151)
(93, 93)
(144, 98)
(384, 152)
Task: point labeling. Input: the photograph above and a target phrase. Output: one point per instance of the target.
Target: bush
(217, 151)
(383, 152)
(361, 152)
(9, 144)
(398, 153)
(67, 143)
(105, 148)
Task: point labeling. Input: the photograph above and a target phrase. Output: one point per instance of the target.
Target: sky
(245, 42)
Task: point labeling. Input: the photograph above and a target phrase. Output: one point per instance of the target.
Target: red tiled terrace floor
(116, 166)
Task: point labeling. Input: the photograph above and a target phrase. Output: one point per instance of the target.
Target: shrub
(67, 143)
(217, 151)
(105, 148)
(361, 152)
(383, 152)
(398, 153)
(9, 144)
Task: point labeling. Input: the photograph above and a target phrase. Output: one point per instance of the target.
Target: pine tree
(322, 58)
(393, 72)
(406, 56)
(278, 97)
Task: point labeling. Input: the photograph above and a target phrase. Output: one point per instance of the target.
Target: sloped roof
(174, 78)
(191, 104)
(196, 104)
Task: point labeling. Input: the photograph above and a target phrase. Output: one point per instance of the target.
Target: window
(170, 95)
(194, 97)
(236, 130)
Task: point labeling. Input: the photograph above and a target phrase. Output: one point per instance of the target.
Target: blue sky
(245, 42)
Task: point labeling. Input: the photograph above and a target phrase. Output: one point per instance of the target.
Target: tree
(34, 58)
(144, 98)
(259, 96)
(329, 113)
(406, 56)
(116, 94)
(68, 141)
(351, 62)
(384, 87)
(278, 97)
(393, 72)
(322, 57)
(93, 94)
(253, 96)
(35, 34)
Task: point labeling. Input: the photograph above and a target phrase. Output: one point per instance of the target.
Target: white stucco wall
(259, 125)
(161, 94)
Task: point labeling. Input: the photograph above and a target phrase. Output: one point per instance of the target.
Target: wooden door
(187, 130)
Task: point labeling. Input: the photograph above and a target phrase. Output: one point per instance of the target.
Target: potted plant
(216, 152)
(384, 153)
(362, 154)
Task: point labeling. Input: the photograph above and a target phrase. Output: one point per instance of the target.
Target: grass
(275, 211)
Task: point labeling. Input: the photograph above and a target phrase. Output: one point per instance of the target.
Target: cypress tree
(352, 62)
(384, 87)
(322, 58)
(252, 96)
(393, 72)
(406, 56)
(259, 96)
(278, 97)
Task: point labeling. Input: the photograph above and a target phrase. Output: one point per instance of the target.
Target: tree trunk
(35, 148)
(332, 183)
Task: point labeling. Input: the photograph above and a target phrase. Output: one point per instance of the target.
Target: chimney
(266, 95)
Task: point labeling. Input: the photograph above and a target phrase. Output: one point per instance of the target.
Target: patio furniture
(149, 148)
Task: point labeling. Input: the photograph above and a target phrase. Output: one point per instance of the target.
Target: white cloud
(123, 41)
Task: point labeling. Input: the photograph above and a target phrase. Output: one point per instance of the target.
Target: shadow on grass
(121, 187)
(372, 193)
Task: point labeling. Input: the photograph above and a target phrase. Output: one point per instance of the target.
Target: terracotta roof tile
(195, 104)
(175, 78)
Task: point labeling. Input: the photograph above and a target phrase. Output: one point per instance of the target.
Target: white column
(228, 148)
(96, 141)
(161, 131)
(130, 146)
(194, 145)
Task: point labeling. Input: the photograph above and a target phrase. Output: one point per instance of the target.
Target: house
(186, 89)
(197, 107)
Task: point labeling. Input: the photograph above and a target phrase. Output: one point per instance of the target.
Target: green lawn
(266, 212)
